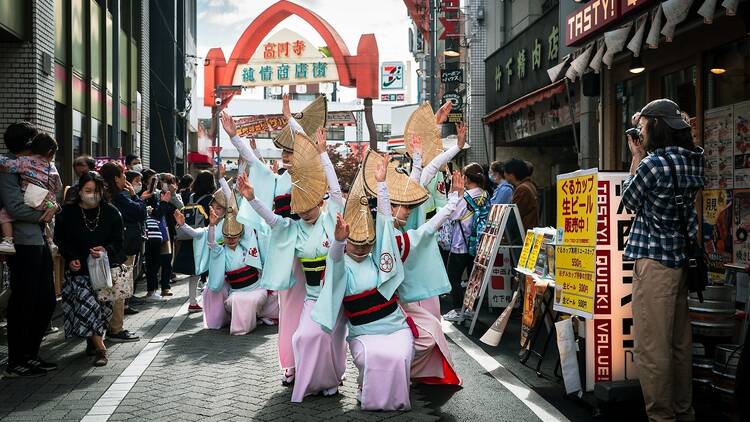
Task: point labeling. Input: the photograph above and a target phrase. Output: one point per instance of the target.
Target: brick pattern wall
(144, 86)
(26, 93)
(481, 150)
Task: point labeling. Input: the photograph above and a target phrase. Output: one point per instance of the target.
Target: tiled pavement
(197, 375)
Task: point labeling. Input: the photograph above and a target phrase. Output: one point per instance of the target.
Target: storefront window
(631, 97)
(335, 133)
(727, 71)
(679, 87)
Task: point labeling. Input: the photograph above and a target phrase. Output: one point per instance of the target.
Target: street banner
(576, 242)
(531, 310)
(254, 124)
(717, 231)
(500, 290)
(609, 334)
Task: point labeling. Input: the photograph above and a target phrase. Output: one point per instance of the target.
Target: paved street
(178, 371)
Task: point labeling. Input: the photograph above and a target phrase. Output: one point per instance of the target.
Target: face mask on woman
(137, 187)
(90, 199)
(137, 167)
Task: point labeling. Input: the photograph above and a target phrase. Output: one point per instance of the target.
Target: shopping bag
(99, 272)
(122, 284)
(34, 195)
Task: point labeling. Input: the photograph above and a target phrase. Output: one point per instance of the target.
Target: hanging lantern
(556, 71)
(578, 66)
(675, 11)
(652, 39)
(637, 41)
(596, 62)
(615, 41)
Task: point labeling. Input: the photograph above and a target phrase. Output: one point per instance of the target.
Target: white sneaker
(330, 392)
(453, 316)
(155, 297)
(268, 321)
(7, 248)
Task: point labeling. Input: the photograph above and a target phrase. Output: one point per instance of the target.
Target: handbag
(99, 272)
(35, 195)
(696, 262)
(445, 235)
(122, 284)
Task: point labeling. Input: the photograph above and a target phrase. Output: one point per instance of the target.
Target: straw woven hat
(308, 177)
(422, 123)
(232, 228)
(219, 198)
(357, 213)
(401, 189)
(311, 118)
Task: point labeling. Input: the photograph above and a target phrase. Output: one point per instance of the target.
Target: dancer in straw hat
(236, 264)
(422, 261)
(320, 357)
(364, 283)
(275, 192)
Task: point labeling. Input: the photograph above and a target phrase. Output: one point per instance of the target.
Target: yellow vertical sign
(576, 227)
(576, 207)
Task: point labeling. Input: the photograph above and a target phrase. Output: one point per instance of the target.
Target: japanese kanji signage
(520, 66)
(392, 75)
(286, 58)
(251, 125)
(576, 237)
(448, 76)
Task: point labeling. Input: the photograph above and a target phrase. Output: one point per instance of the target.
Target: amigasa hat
(232, 227)
(402, 190)
(311, 118)
(309, 183)
(357, 213)
(422, 123)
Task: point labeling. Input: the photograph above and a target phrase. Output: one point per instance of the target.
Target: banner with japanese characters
(500, 292)
(741, 226)
(718, 149)
(286, 58)
(717, 231)
(576, 242)
(609, 334)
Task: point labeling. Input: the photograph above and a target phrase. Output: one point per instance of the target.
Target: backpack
(196, 215)
(481, 209)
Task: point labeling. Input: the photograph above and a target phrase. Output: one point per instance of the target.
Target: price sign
(576, 207)
(574, 280)
(528, 243)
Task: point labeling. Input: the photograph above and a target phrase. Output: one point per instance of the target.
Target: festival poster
(741, 226)
(609, 334)
(717, 231)
(741, 134)
(576, 208)
(718, 150)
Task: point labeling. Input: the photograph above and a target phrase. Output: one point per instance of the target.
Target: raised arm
(286, 110)
(416, 159)
(341, 233)
(213, 220)
(247, 192)
(445, 212)
(245, 149)
(384, 200)
(334, 189)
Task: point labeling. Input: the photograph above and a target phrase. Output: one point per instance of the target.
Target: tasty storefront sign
(595, 16)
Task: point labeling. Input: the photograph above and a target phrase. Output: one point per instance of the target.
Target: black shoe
(14, 370)
(130, 311)
(90, 350)
(42, 364)
(123, 336)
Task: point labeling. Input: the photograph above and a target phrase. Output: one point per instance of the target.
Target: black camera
(635, 134)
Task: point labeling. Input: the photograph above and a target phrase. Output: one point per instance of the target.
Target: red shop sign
(595, 16)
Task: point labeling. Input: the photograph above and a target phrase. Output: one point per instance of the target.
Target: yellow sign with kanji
(538, 241)
(528, 243)
(576, 208)
(574, 279)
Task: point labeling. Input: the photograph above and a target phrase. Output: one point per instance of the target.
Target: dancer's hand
(213, 218)
(382, 167)
(245, 188)
(442, 114)
(320, 135)
(416, 143)
(341, 232)
(457, 183)
(461, 129)
(179, 218)
(228, 123)
(285, 109)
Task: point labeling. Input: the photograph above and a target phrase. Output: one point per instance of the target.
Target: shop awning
(525, 101)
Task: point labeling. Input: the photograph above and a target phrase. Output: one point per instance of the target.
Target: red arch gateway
(360, 71)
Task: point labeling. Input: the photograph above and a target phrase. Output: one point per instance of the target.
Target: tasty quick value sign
(596, 15)
(286, 58)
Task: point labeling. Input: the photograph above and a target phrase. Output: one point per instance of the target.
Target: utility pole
(114, 144)
(433, 53)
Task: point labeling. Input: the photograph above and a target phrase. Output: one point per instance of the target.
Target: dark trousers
(154, 262)
(32, 300)
(457, 263)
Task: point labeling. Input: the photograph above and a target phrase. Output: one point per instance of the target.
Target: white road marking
(542, 408)
(111, 399)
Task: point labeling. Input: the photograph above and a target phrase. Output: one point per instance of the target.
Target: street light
(636, 65)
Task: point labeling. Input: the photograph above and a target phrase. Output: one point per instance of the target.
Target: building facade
(61, 66)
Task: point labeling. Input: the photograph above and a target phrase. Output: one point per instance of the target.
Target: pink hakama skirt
(384, 363)
(432, 362)
(214, 315)
(319, 357)
(270, 309)
(244, 307)
(291, 302)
